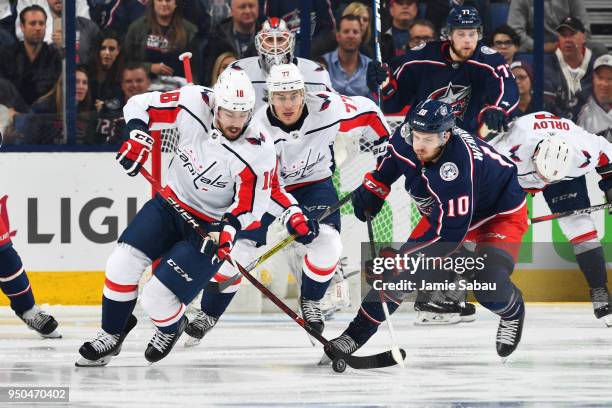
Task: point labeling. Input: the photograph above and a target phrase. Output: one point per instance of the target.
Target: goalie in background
(15, 284)
(304, 126)
(553, 155)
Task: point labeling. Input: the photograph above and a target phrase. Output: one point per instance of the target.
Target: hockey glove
(369, 197)
(230, 225)
(495, 119)
(298, 224)
(605, 184)
(376, 75)
(376, 271)
(135, 151)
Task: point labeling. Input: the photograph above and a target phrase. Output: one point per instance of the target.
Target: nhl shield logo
(449, 171)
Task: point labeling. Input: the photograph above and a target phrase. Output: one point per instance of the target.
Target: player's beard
(462, 54)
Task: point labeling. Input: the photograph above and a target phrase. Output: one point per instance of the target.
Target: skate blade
(192, 341)
(435, 319)
(607, 319)
(468, 319)
(325, 360)
(313, 341)
(53, 335)
(83, 362)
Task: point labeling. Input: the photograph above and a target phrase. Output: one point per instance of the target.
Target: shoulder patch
(449, 171)
(487, 50)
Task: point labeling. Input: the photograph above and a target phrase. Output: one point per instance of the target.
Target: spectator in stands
(567, 72)
(524, 79)
(11, 104)
(220, 64)
(520, 18)
(31, 65)
(55, 21)
(110, 123)
(346, 65)
(159, 37)
(421, 32)
(116, 15)
(505, 41)
(322, 20)
(365, 21)
(45, 124)
(106, 67)
(403, 14)
(596, 114)
(86, 31)
(235, 35)
(8, 15)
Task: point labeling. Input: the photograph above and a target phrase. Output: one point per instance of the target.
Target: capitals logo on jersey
(457, 96)
(203, 178)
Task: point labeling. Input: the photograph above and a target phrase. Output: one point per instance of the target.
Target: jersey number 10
(458, 206)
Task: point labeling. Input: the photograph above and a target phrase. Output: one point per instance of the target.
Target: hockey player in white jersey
(304, 126)
(553, 155)
(220, 173)
(275, 45)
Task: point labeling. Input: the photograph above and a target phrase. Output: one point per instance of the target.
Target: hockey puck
(339, 365)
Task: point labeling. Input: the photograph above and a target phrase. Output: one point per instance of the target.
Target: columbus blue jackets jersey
(468, 185)
(429, 73)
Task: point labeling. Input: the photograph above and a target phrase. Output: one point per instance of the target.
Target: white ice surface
(564, 359)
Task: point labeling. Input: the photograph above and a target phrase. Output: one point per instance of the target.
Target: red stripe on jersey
(584, 237)
(318, 271)
(368, 119)
(163, 115)
(246, 194)
(306, 183)
(278, 192)
(603, 160)
(118, 287)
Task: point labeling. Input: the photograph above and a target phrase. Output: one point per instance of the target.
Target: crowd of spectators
(126, 47)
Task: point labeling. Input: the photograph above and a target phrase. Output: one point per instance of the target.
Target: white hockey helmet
(284, 77)
(553, 158)
(275, 43)
(234, 91)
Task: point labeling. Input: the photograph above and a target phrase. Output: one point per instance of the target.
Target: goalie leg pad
(124, 269)
(160, 304)
(14, 282)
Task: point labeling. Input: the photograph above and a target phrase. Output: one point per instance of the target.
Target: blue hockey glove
(605, 184)
(369, 197)
(495, 119)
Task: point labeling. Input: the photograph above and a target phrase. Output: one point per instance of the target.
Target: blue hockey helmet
(463, 17)
(429, 116)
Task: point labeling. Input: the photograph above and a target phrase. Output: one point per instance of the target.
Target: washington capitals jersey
(427, 72)
(209, 173)
(469, 184)
(316, 78)
(520, 142)
(304, 151)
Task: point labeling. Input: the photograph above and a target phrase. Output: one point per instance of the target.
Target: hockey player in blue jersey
(473, 195)
(461, 71)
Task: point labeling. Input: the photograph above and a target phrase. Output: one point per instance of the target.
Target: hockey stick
(379, 360)
(186, 58)
(217, 287)
(377, 28)
(395, 350)
(563, 214)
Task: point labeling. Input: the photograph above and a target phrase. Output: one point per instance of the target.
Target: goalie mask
(286, 92)
(275, 43)
(234, 102)
(553, 159)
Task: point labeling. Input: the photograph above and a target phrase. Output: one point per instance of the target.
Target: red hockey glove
(297, 223)
(135, 151)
